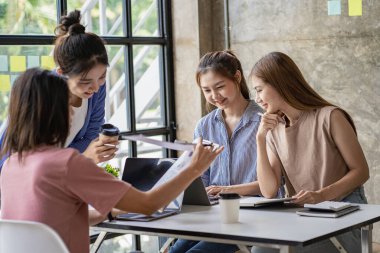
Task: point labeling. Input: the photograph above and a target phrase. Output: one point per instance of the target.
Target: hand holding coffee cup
(105, 146)
(229, 207)
(109, 133)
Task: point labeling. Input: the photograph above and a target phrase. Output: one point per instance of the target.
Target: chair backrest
(27, 236)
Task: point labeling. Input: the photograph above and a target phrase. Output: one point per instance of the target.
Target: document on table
(180, 146)
(164, 144)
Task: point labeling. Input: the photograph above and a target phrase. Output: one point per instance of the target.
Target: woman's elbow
(269, 193)
(365, 176)
(150, 206)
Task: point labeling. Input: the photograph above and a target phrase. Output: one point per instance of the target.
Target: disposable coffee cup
(229, 207)
(109, 130)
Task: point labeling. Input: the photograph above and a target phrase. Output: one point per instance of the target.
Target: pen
(204, 143)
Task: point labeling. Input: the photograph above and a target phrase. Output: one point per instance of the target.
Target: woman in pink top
(43, 182)
(306, 141)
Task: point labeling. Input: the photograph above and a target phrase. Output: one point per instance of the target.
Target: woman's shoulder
(327, 112)
(327, 109)
(253, 111)
(209, 117)
(57, 152)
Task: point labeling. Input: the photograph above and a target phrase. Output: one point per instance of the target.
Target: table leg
(243, 248)
(366, 239)
(337, 245)
(95, 246)
(286, 249)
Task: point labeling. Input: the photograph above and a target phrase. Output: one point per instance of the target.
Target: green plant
(112, 170)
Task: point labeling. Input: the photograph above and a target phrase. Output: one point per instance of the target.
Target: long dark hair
(226, 64)
(38, 112)
(280, 71)
(77, 51)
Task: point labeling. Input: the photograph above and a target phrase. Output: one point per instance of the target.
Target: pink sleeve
(93, 185)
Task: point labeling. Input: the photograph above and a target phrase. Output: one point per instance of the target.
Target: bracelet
(110, 217)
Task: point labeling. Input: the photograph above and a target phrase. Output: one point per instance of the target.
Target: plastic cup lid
(229, 195)
(110, 130)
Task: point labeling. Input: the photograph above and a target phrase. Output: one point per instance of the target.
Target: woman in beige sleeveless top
(309, 142)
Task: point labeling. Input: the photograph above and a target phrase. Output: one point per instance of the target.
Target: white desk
(275, 227)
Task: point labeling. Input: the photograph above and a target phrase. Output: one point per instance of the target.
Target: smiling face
(219, 90)
(267, 96)
(84, 87)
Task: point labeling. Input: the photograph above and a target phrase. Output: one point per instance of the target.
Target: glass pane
(116, 105)
(120, 157)
(122, 243)
(16, 59)
(147, 78)
(149, 150)
(22, 17)
(144, 18)
(103, 17)
(149, 243)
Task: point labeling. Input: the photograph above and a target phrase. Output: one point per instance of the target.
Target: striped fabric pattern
(237, 163)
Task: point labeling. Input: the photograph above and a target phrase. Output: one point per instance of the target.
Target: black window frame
(164, 40)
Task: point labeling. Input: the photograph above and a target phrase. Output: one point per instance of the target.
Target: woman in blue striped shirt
(232, 123)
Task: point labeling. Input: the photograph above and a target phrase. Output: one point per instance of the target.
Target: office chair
(27, 236)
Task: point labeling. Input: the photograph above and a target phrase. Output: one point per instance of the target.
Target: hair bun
(70, 23)
(76, 29)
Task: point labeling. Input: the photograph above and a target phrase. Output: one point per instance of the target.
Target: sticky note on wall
(33, 61)
(5, 83)
(3, 63)
(47, 62)
(18, 63)
(13, 79)
(355, 8)
(333, 7)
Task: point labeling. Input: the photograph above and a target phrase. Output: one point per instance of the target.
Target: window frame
(164, 40)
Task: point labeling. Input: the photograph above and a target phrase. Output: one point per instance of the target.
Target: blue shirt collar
(252, 108)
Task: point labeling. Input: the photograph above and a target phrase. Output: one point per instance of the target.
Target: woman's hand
(101, 150)
(214, 190)
(203, 156)
(308, 197)
(268, 122)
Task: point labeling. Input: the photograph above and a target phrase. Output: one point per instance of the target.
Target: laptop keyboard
(213, 199)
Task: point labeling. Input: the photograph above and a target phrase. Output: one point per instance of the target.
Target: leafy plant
(112, 170)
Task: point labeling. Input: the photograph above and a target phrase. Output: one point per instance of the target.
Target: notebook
(147, 173)
(261, 202)
(329, 206)
(328, 209)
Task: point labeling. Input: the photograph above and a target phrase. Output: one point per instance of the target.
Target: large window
(138, 38)
(139, 78)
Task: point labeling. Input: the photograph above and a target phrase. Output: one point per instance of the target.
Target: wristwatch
(110, 217)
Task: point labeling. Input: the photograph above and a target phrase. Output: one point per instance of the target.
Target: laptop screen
(144, 173)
